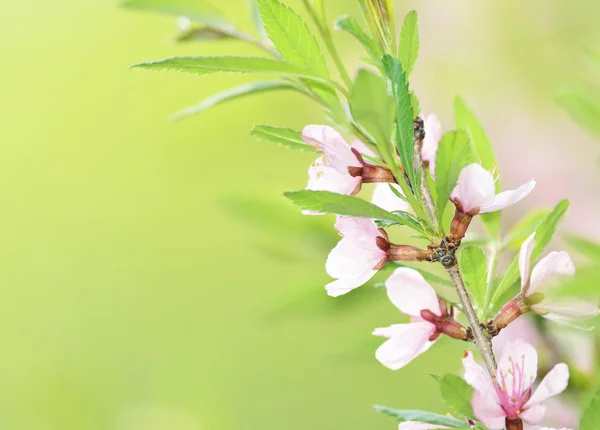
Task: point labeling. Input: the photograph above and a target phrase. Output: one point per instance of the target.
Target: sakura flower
(534, 289)
(386, 199)
(508, 398)
(431, 141)
(415, 425)
(475, 194)
(363, 250)
(341, 169)
(413, 296)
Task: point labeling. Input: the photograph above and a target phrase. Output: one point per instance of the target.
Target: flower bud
(460, 225)
(510, 312)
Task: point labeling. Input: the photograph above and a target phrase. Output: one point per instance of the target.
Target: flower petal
(433, 135)
(518, 364)
(508, 198)
(406, 341)
(347, 260)
(552, 265)
(525, 260)
(360, 231)
(475, 187)
(385, 198)
(338, 153)
(534, 414)
(478, 378)
(342, 286)
(362, 148)
(325, 178)
(410, 292)
(554, 383)
(488, 411)
(567, 308)
(522, 328)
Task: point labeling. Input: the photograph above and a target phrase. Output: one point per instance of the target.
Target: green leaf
(453, 154)
(416, 106)
(232, 94)
(409, 42)
(324, 201)
(474, 269)
(404, 118)
(286, 137)
(591, 417)
(457, 395)
(584, 109)
(484, 152)
(421, 416)
(259, 26)
(349, 24)
(373, 109)
(199, 34)
(196, 10)
(211, 65)
(585, 246)
(408, 220)
(291, 37)
(543, 236)
(524, 228)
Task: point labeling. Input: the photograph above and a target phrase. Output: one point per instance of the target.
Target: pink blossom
(509, 394)
(353, 259)
(413, 296)
(386, 199)
(415, 425)
(550, 267)
(476, 193)
(431, 142)
(330, 172)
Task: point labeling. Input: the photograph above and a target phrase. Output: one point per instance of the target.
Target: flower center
(513, 388)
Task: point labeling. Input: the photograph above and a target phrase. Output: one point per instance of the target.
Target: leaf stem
(326, 35)
(483, 343)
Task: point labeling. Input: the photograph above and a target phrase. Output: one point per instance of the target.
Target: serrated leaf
(543, 236)
(199, 34)
(232, 94)
(404, 116)
(286, 137)
(473, 265)
(585, 246)
(583, 109)
(457, 395)
(409, 42)
(420, 416)
(591, 417)
(291, 36)
(525, 227)
(408, 220)
(373, 109)
(349, 24)
(453, 154)
(196, 10)
(484, 152)
(326, 202)
(211, 65)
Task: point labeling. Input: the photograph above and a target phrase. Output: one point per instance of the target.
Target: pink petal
(552, 265)
(518, 353)
(478, 378)
(433, 135)
(525, 259)
(348, 261)
(343, 286)
(414, 425)
(567, 308)
(362, 148)
(360, 231)
(488, 411)
(475, 187)
(316, 135)
(522, 328)
(386, 199)
(338, 153)
(325, 178)
(533, 415)
(554, 383)
(406, 341)
(410, 292)
(508, 198)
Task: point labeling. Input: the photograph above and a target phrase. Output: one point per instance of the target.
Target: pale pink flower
(550, 267)
(413, 296)
(522, 328)
(475, 192)
(509, 395)
(353, 259)
(431, 142)
(386, 199)
(415, 425)
(330, 172)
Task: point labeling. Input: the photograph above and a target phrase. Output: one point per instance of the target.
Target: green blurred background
(152, 276)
